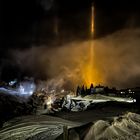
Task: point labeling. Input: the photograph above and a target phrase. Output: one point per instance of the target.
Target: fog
(116, 60)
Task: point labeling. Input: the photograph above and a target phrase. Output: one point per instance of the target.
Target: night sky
(22, 21)
(25, 23)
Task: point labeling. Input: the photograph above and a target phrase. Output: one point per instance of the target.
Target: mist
(116, 60)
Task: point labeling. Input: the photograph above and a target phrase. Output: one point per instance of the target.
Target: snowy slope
(126, 127)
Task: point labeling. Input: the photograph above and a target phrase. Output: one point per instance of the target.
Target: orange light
(92, 21)
(90, 73)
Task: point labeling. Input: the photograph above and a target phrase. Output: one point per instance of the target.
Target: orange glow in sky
(90, 73)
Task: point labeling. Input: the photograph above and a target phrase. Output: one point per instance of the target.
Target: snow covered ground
(82, 103)
(125, 127)
(96, 98)
(34, 127)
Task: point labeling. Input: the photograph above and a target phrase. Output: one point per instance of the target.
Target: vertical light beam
(91, 56)
(89, 72)
(92, 21)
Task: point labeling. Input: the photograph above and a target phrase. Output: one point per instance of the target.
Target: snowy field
(34, 127)
(96, 98)
(125, 127)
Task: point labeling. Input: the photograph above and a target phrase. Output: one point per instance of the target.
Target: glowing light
(92, 20)
(49, 102)
(26, 88)
(11, 83)
(90, 73)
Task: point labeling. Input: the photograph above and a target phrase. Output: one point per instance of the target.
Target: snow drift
(121, 128)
